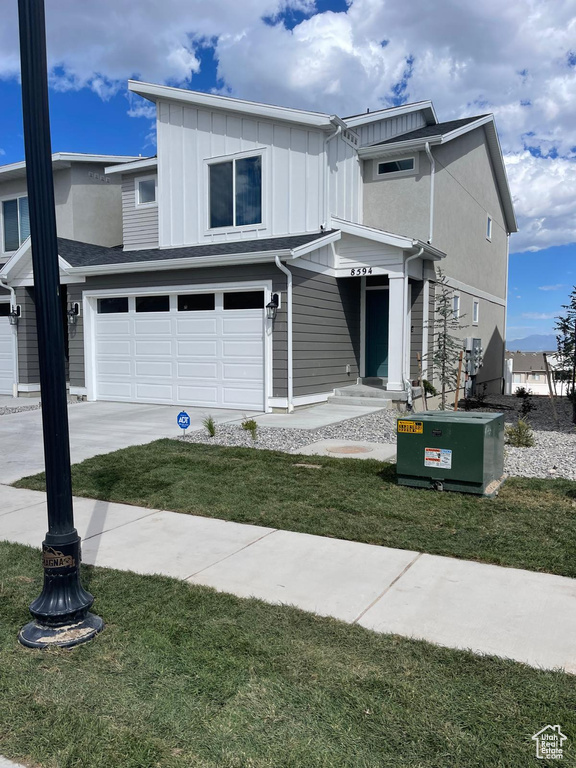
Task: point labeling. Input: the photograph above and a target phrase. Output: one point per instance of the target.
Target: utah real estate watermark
(549, 741)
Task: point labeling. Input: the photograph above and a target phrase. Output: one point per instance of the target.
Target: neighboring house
(272, 255)
(527, 370)
(88, 209)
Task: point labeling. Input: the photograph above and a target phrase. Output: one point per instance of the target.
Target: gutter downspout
(284, 268)
(337, 132)
(432, 174)
(405, 362)
(13, 306)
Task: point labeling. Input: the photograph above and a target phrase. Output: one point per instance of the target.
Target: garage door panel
(242, 372)
(197, 370)
(156, 327)
(154, 368)
(240, 326)
(212, 358)
(107, 368)
(242, 349)
(109, 347)
(197, 325)
(197, 349)
(154, 392)
(115, 389)
(198, 395)
(114, 327)
(153, 347)
(238, 397)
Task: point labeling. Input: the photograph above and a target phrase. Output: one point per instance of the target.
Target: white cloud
(512, 59)
(556, 287)
(2, 151)
(539, 315)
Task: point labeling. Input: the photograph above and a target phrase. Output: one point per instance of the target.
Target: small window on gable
(402, 165)
(488, 228)
(146, 191)
(456, 307)
(475, 311)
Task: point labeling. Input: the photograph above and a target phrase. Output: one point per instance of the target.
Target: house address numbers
(360, 271)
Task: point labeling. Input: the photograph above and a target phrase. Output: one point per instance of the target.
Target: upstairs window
(402, 165)
(475, 311)
(145, 190)
(236, 192)
(15, 223)
(488, 228)
(456, 307)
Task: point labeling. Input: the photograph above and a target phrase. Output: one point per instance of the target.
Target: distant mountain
(534, 343)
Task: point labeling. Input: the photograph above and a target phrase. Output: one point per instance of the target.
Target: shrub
(523, 392)
(210, 425)
(429, 388)
(251, 426)
(520, 435)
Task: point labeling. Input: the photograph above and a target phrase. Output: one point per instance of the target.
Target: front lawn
(531, 524)
(186, 677)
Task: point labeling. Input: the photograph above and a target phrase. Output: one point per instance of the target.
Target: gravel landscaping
(554, 454)
(5, 409)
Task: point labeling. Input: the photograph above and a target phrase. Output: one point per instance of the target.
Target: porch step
(368, 392)
(365, 401)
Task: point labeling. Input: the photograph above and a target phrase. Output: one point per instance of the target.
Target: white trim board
(476, 292)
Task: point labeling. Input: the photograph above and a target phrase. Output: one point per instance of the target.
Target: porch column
(395, 334)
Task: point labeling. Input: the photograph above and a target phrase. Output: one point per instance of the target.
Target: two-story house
(273, 255)
(88, 209)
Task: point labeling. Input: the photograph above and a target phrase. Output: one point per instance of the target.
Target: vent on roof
(351, 138)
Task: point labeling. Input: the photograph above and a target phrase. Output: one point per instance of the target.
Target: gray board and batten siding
(139, 223)
(202, 276)
(28, 365)
(326, 328)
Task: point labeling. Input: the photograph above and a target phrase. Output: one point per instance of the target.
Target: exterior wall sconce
(73, 312)
(14, 315)
(272, 307)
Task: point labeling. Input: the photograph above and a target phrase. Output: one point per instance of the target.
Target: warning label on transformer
(441, 458)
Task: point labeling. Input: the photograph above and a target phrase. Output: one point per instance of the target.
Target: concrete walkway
(522, 615)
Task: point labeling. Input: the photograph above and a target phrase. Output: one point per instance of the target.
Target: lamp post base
(35, 635)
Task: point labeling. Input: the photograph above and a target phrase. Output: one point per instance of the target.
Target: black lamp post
(60, 613)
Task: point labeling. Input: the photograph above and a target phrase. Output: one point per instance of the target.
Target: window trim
(456, 311)
(5, 199)
(261, 152)
(395, 174)
(137, 180)
(475, 311)
(489, 225)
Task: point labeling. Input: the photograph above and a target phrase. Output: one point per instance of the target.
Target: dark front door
(377, 318)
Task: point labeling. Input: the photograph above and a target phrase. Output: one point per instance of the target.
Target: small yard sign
(183, 420)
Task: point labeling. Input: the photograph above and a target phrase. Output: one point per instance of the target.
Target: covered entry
(183, 347)
(377, 324)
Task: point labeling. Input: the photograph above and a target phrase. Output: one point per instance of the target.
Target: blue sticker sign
(183, 420)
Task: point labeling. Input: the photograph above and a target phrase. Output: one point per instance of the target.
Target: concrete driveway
(95, 428)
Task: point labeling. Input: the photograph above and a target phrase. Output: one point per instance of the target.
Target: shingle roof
(440, 129)
(85, 255)
(525, 362)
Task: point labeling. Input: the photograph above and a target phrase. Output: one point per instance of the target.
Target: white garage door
(6, 352)
(195, 349)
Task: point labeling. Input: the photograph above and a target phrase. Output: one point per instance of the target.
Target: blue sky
(517, 60)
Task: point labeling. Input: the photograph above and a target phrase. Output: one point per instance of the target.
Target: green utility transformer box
(452, 451)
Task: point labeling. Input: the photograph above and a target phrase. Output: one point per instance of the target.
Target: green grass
(184, 677)
(531, 524)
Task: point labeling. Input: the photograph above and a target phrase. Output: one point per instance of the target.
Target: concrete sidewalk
(522, 615)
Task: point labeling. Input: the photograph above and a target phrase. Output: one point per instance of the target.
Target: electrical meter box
(452, 451)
